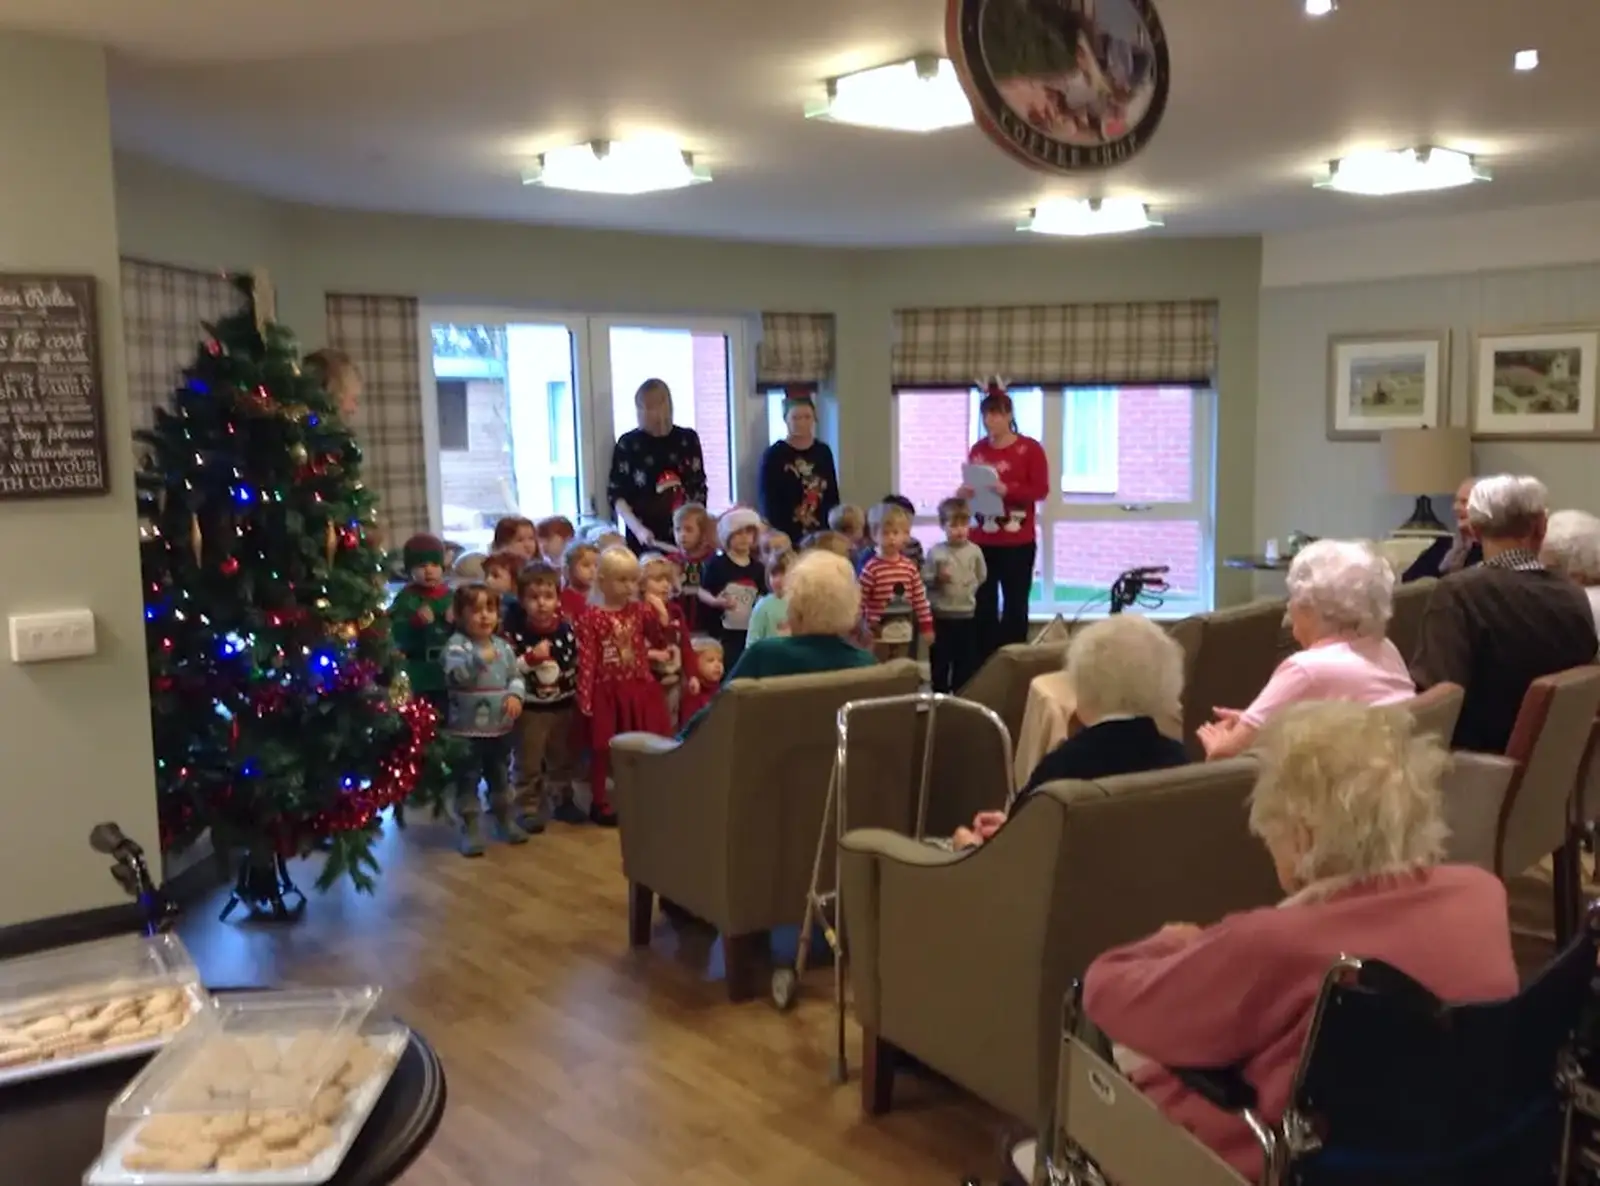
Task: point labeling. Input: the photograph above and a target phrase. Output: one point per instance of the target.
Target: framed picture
(1379, 381)
(1535, 385)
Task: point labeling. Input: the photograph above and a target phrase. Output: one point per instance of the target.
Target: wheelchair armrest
(1223, 1087)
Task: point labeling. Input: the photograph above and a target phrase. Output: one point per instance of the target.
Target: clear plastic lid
(249, 1052)
(70, 978)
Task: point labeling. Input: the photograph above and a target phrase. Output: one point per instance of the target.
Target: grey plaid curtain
(794, 348)
(1150, 342)
(163, 308)
(380, 335)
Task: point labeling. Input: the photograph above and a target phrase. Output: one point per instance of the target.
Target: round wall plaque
(1066, 86)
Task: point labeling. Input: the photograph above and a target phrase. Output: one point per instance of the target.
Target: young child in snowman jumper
(485, 700)
(544, 759)
(733, 581)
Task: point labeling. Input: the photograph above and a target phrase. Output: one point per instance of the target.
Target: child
(953, 571)
(773, 542)
(468, 568)
(666, 632)
(697, 543)
(547, 653)
(577, 585)
(770, 618)
(828, 541)
(891, 580)
(708, 662)
(485, 702)
(608, 538)
(516, 534)
(500, 574)
(554, 533)
(421, 618)
(616, 692)
(851, 522)
(732, 581)
(913, 546)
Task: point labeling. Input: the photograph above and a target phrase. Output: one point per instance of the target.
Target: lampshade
(1425, 460)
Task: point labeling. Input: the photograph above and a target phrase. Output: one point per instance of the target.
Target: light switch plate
(62, 634)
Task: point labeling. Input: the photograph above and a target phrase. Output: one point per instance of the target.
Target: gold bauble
(295, 412)
(366, 620)
(400, 689)
(298, 454)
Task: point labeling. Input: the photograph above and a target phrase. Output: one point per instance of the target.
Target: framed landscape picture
(1380, 381)
(1535, 385)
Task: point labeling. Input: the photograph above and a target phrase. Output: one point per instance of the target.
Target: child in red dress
(666, 631)
(577, 579)
(708, 662)
(696, 537)
(616, 692)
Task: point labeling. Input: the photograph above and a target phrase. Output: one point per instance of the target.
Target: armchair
(1228, 657)
(963, 959)
(725, 822)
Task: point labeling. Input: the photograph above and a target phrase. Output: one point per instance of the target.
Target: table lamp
(1424, 462)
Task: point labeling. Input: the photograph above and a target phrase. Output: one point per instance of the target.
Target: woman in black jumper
(655, 469)
(799, 485)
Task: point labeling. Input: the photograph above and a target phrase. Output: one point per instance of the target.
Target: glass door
(501, 420)
(1131, 487)
(703, 362)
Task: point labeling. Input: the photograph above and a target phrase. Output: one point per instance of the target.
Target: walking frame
(822, 905)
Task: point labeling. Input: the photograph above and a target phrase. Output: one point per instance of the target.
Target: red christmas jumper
(674, 632)
(616, 692)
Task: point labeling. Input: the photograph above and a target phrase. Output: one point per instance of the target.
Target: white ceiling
(429, 107)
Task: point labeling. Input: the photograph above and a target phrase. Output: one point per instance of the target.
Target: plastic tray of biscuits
(93, 1003)
(264, 1087)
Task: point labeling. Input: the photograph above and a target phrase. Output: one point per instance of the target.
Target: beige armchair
(725, 823)
(1002, 682)
(1405, 623)
(1228, 657)
(963, 960)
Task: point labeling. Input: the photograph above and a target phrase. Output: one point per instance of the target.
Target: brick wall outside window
(711, 416)
(472, 478)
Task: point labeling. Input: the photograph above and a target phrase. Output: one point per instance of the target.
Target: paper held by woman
(985, 503)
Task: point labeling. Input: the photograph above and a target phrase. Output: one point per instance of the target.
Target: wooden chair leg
(743, 959)
(641, 908)
(878, 1063)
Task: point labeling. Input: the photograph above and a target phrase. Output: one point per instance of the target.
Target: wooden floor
(572, 1060)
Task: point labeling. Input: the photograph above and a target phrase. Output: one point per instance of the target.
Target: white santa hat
(735, 519)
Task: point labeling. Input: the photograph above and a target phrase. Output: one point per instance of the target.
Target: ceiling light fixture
(1320, 7)
(1525, 60)
(617, 167)
(1408, 171)
(922, 94)
(1096, 216)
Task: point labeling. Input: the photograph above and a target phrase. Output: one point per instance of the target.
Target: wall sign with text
(52, 404)
(1066, 86)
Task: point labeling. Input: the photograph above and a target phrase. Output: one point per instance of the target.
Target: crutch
(822, 905)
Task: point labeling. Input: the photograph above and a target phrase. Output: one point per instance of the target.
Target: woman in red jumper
(1011, 542)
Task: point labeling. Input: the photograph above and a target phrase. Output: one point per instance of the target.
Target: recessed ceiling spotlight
(1096, 216)
(1320, 7)
(617, 167)
(1525, 60)
(921, 94)
(1407, 171)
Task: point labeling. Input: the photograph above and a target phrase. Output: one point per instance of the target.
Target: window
(1131, 480)
(453, 433)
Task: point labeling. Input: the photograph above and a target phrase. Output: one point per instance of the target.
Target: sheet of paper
(983, 479)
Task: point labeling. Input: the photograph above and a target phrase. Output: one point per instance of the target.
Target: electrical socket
(61, 634)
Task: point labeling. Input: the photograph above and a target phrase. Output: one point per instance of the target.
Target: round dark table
(51, 1130)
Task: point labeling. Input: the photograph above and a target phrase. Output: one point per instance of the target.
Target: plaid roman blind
(380, 335)
(1033, 345)
(795, 348)
(163, 309)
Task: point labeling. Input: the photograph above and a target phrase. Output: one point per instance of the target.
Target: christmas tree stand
(266, 890)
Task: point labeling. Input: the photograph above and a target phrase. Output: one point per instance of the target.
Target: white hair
(1353, 787)
(1346, 584)
(822, 594)
(1507, 506)
(1125, 664)
(1572, 546)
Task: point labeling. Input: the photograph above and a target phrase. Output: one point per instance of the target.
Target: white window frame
(591, 370)
(1062, 506)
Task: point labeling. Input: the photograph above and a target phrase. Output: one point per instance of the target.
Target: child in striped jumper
(894, 602)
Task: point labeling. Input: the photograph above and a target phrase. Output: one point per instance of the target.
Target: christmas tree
(279, 720)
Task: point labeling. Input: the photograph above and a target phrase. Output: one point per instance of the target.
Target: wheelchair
(1394, 1086)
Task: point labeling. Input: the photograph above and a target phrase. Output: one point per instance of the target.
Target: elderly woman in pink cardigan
(1347, 804)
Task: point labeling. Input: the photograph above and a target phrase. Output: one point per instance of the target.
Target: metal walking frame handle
(819, 902)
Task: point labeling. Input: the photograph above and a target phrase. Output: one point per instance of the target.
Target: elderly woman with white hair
(824, 608)
(1341, 595)
(1126, 674)
(1496, 628)
(1347, 803)
(1572, 549)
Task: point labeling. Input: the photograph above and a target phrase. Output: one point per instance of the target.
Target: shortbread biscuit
(226, 1126)
(249, 1157)
(170, 1129)
(160, 1002)
(328, 1104)
(314, 1142)
(189, 1158)
(47, 1027)
(281, 1134)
